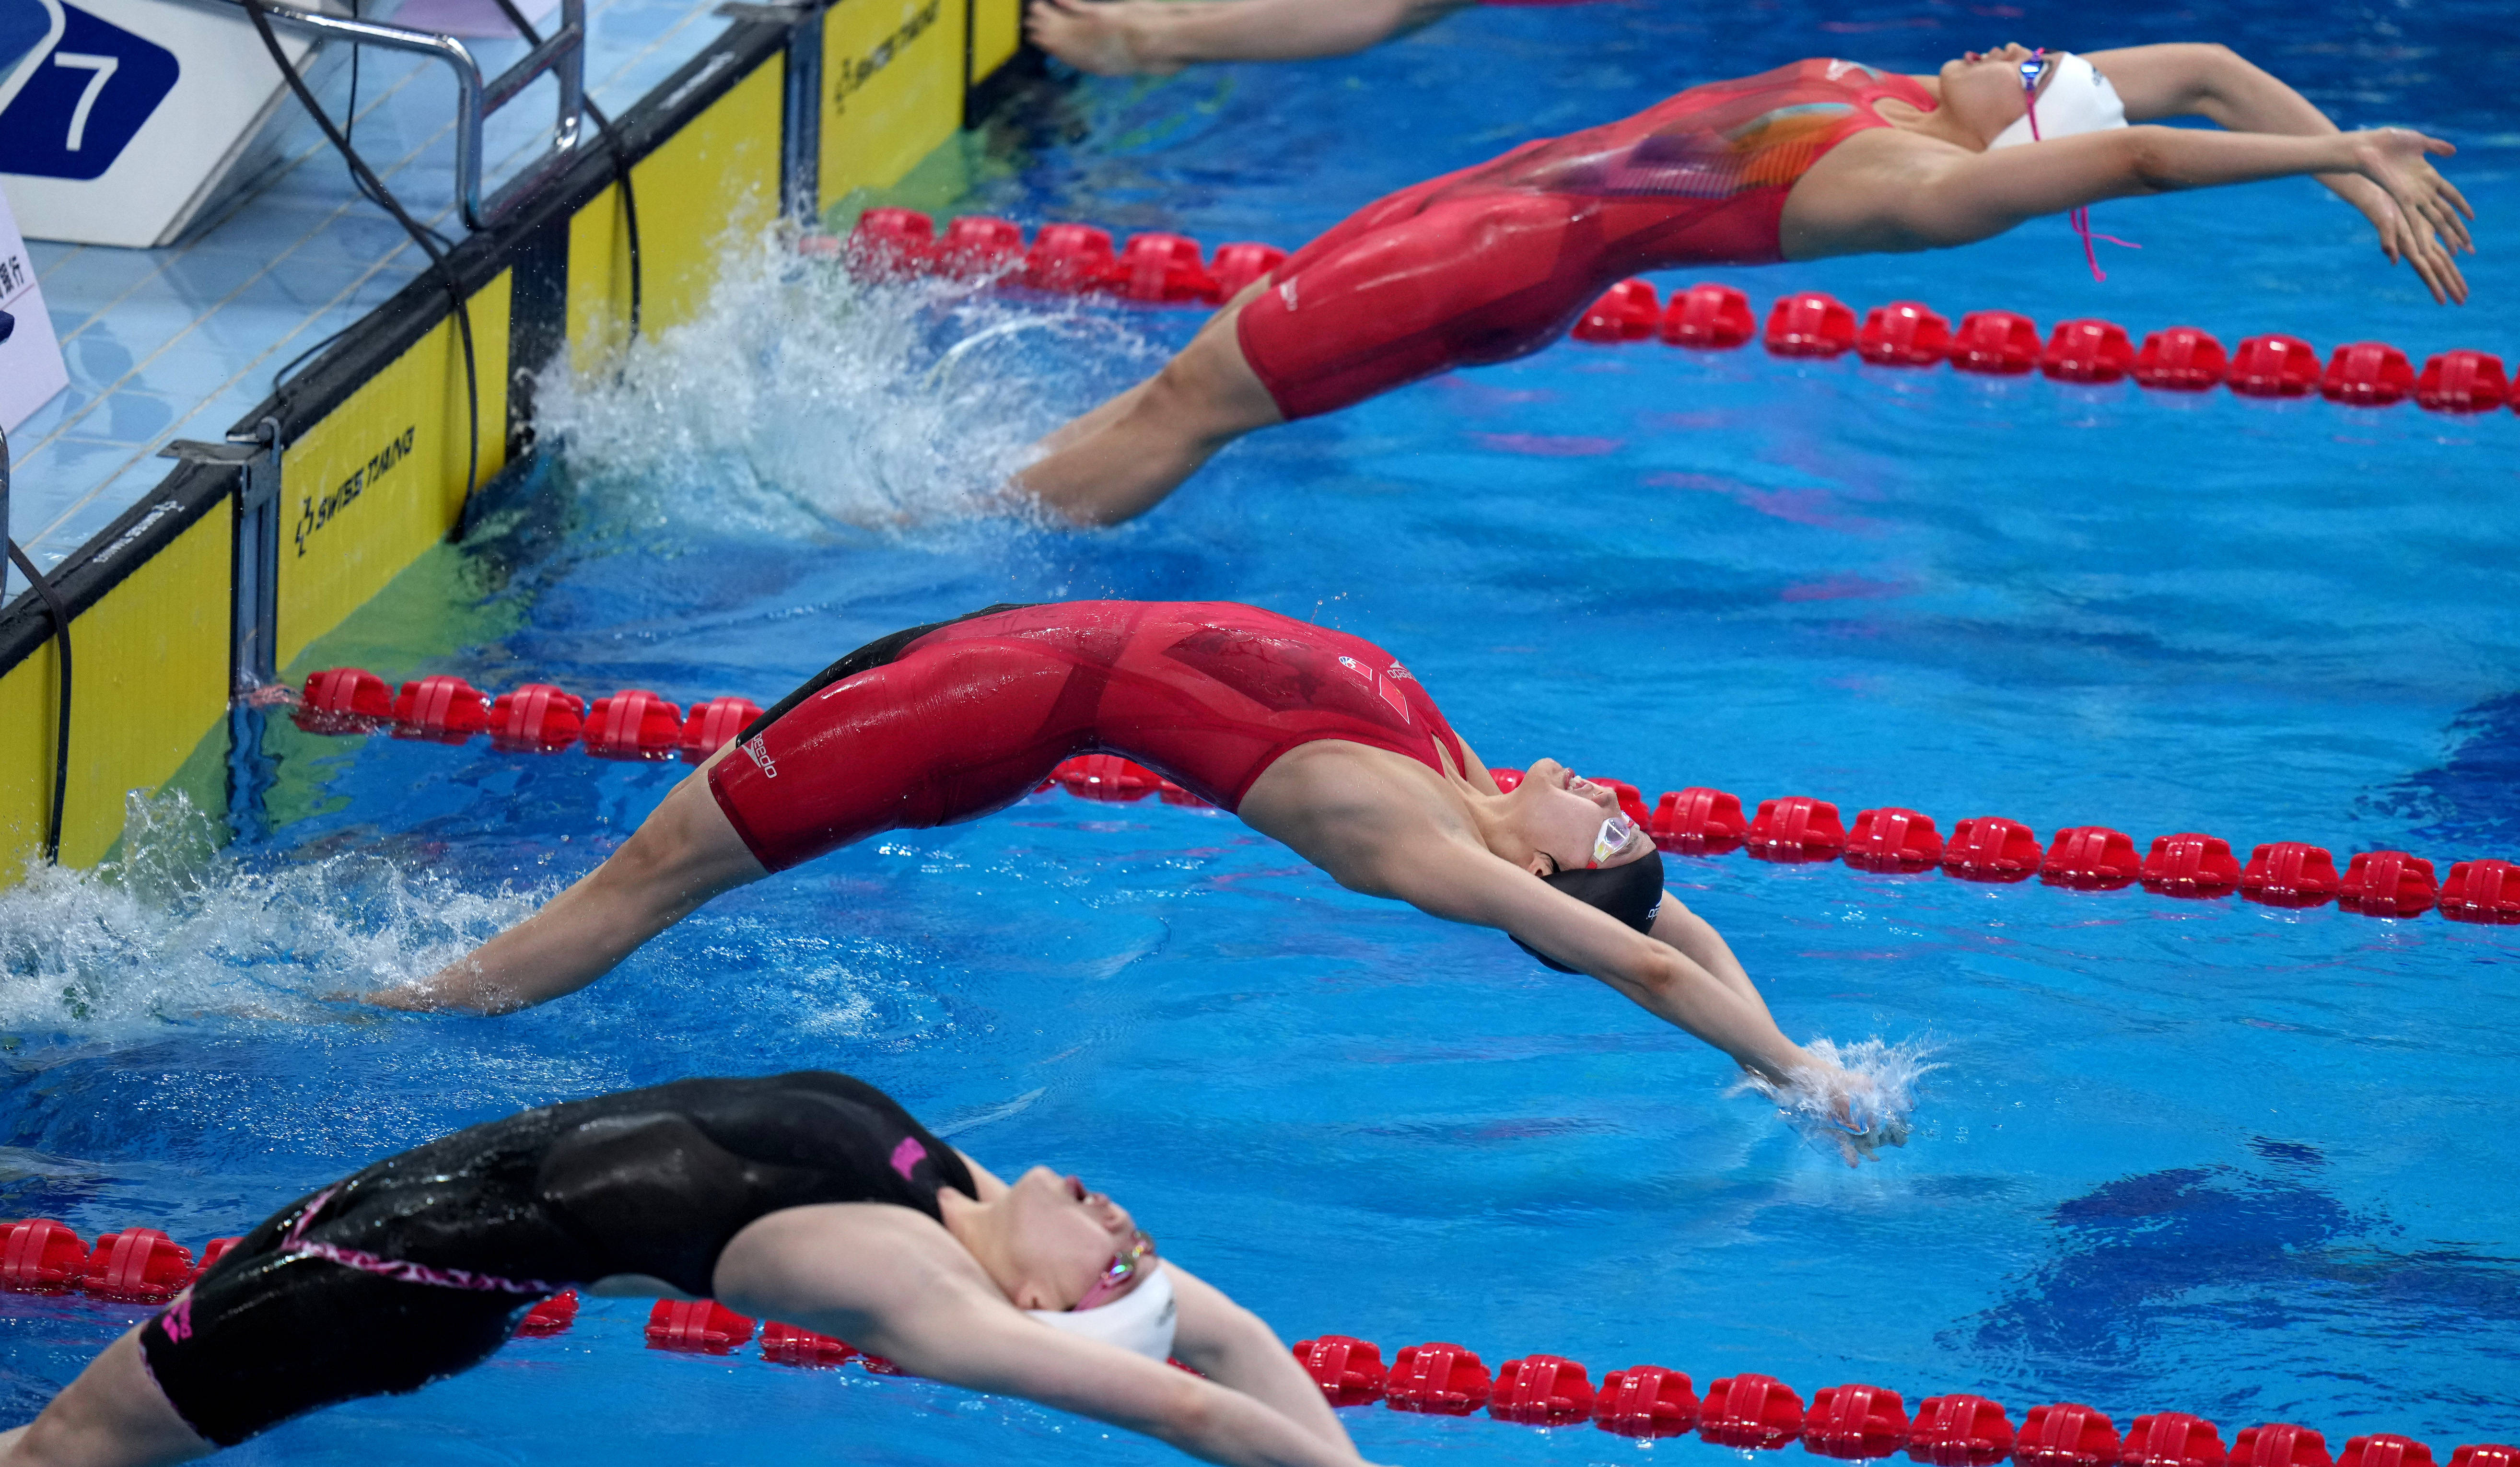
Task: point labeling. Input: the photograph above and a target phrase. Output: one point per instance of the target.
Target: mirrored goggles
(1122, 1273)
(1612, 837)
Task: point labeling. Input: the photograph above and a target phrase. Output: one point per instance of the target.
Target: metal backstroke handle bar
(562, 54)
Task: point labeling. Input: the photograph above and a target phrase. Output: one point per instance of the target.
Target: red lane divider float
(1156, 268)
(136, 1265)
(1904, 333)
(1757, 1412)
(551, 1316)
(1960, 1430)
(1437, 1378)
(1995, 343)
(1349, 1370)
(1161, 268)
(1853, 1422)
(1646, 1401)
(635, 724)
(536, 718)
(1715, 318)
(697, 1326)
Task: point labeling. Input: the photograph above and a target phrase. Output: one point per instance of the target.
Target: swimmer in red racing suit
(1318, 738)
(1817, 159)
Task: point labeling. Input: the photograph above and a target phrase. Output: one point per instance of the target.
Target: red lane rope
(635, 724)
(1157, 268)
(1851, 1422)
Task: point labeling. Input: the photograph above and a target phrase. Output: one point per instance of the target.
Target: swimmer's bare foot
(1107, 38)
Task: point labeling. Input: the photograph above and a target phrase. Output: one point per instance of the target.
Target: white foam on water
(1872, 1082)
(175, 931)
(805, 400)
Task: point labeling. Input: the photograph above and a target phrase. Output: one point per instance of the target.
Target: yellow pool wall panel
(371, 465)
(892, 89)
(714, 181)
(996, 33)
(381, 477)
(149, 679)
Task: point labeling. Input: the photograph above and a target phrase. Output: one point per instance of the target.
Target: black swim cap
(1632, 893)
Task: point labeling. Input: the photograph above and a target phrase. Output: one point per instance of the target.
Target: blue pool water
(2199, 1156)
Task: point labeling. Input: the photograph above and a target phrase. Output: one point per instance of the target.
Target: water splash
(176, 931)
(1859, 1098)
(804, 400)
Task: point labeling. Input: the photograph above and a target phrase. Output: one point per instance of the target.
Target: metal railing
(561, 54)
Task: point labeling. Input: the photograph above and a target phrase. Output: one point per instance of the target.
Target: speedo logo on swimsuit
(1287, 293)
(760, 755)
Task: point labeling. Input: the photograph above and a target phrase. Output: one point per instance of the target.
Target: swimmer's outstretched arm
(1158, 37)
(1716, 1004)
(2203, 79)
(898, 1285)
(680, 857)
(1879, 192)
(1237, 1350)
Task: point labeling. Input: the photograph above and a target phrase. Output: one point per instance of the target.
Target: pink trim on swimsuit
(399, 1270)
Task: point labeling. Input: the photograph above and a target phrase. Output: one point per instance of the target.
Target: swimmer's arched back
(1822, 158)
(1318, 738)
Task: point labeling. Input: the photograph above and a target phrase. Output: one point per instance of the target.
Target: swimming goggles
(1120, 1274)
(2031, 71)
(2081, 218)
(1612, 837)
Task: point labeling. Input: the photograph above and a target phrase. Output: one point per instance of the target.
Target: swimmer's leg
(1120, 460)
(113, 1416)
(680, 857)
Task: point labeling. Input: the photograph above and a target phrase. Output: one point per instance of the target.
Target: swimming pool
(2199, 1156)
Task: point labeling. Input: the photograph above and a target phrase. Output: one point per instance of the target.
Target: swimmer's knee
(1209, 391)
(684, 853)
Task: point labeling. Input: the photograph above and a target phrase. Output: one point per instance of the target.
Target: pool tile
(207, 279)
(48, 421)
(151, 315)
(188, 370)
(185, 341)
(93, 276)
(109, 497)
(128, 415)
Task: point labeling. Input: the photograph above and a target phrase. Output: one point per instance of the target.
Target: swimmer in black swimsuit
(812, 1198)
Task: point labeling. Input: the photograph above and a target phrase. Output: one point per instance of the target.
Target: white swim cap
(1140, 1319)
(2076, 99)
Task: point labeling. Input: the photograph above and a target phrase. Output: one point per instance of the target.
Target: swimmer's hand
(1859, 1125)
(2422, 219)
(1854, 1108)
